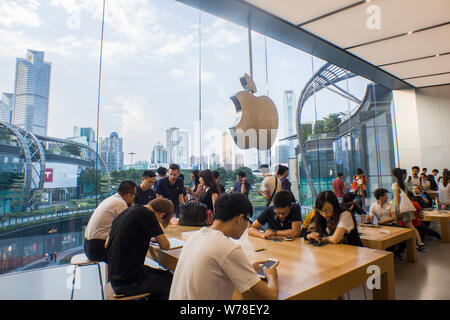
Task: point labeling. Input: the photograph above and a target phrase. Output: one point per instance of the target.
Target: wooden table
(375, 239)
(306, 271)
(441, 216)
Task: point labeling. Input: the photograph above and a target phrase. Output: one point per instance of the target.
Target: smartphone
(267, 264)
(288, 238)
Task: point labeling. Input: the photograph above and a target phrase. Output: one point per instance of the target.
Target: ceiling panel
(413, 46)
(430, 81)
(420, 67)
(350, 27)
(299, 11)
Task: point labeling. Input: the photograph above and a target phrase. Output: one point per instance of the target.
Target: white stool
(80, 260)
(111, 295)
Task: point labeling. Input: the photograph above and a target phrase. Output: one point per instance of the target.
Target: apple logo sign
(257, 121)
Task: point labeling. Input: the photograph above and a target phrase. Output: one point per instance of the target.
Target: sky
(150, 68)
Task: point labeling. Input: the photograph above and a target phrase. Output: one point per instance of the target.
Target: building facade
(159, 154)
(31, 93)
(111, 151)
(6, 107)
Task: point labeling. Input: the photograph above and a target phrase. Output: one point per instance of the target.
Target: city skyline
(150, 70)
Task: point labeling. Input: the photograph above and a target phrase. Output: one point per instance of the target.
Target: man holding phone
(211, 265)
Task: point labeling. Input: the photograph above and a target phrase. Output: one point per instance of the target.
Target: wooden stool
(111, 295)
(80, 260)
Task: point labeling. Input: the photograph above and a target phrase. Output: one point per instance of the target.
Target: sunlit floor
(427, 279)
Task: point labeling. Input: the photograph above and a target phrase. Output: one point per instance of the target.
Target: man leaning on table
(211, 265)
(283, 218)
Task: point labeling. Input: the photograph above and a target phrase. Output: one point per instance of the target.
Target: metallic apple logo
(257, 121)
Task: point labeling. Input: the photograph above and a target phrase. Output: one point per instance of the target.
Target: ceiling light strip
(415, 59)
(428, 75)
(331, 13)
(398, 35)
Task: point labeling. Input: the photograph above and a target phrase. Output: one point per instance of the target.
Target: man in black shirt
(172, 187)
(127, 247)
(283, 218)
(348, 204)
(144, 192)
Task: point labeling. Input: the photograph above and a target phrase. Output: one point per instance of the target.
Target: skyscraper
(31, 92)
(178, 146)
(6, 107)
(111, 152)
(289, 109)
(84, 135)
(227, 151)
(159, 154)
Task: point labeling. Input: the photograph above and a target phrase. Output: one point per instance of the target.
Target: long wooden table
(306, 271)
(374, 238)
(441, 216)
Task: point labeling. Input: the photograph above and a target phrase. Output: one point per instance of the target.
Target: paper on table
(174, 243)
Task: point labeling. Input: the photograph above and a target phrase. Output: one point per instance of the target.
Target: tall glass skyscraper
(289, 109)
(111, 151)
(31, 92)
(6, 106)
(159, 154)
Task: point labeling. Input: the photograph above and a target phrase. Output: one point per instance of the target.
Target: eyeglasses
(330, 211)
(247, 218)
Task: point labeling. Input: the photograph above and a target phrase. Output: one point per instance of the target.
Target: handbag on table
(193, 214)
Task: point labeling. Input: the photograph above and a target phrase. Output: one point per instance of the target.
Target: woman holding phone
(332, 224)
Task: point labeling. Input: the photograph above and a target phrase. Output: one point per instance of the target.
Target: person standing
(99, 225)
(414, 178)
(270, 185)
(216, 175)
(339, 186)
(431, 178)
(211, 189)
(172, 188)
(144, 191)
(241, 185)
(401, 199)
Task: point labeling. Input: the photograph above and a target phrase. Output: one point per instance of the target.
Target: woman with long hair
(211, 189)
(197, 188)
(331, 223)
(407, 217)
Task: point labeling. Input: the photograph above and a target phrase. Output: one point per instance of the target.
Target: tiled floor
(427, 279)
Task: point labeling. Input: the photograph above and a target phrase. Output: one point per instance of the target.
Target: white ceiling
(344, 23)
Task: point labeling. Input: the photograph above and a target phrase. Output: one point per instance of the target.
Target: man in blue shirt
(172, 188)
(242, 185)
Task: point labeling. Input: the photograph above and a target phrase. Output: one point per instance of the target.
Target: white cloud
(19, 12)
(15, 43)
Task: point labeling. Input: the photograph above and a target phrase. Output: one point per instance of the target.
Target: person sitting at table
(421, 226)
(382, 209)
(420, 197)
(211, 265)
(127, 247)
(144, 191)
(283, 218)
(348, 204)
(99, 224)
(216, 175)
(332, 224)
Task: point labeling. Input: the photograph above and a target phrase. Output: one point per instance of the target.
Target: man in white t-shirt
(211, 265)
(270, 185)
(382, 209)
(99, 225)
